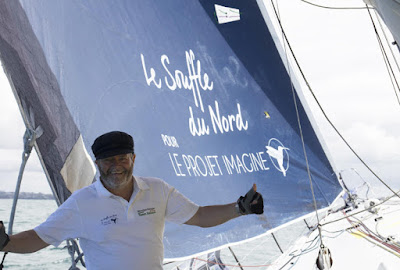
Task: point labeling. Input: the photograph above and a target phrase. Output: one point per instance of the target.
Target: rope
(72, 248)
(377, 238)
(2, 261)
(366, 209)
(236, 259)
(276, 241)
(30, 137)
(388, 43)
(386, 59)
(299, 123)
(29, 141)
(342, 8)
(308, 227)
(323, 111)
(311, 247)
(231, 265)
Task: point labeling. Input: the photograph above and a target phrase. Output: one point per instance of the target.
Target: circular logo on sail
(279, 155)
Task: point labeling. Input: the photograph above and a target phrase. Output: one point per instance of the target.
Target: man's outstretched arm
(23, 242)
(213, 215)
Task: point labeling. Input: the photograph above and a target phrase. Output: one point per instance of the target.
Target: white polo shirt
(114, 233)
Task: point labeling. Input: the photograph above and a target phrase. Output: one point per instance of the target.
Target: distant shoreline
(26, 196)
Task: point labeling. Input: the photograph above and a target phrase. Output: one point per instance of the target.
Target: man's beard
(115, 180)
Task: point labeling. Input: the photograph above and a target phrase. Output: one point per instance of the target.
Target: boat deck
(369, 240)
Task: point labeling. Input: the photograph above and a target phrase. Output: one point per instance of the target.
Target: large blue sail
(210, 105)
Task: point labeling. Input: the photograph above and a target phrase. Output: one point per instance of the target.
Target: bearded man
(120, 218)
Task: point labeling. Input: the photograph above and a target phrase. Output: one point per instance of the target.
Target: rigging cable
(236, 259)
(386, 59)
(311, 247)
(365, 232)
(322, 110)
(254, 248)
(276, 241)
(320, 6)
(366, 209)
(30, 137)
(388, 43)
(231, 265)
(301, 131)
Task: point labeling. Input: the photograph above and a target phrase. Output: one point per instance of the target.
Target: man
(120, 219)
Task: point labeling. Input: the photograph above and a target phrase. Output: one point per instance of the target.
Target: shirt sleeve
(64, 223)
(179, 208)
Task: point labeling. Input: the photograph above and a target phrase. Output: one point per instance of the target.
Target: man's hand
(251, 203)
(4, 239)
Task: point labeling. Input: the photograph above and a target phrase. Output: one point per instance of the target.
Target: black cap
(111, 144)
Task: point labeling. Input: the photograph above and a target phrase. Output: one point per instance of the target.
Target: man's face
(116, 171)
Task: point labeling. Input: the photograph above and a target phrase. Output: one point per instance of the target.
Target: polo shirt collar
(140, 183)
(103, 192)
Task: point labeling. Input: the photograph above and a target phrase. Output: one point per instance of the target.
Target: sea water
(30, 213)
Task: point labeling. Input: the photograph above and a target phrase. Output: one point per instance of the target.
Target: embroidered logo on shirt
(109, 220)
(147, 211)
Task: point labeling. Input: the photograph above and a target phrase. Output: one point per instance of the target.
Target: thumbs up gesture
(251, 203)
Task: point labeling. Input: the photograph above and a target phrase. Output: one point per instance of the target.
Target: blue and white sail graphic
(210, 105)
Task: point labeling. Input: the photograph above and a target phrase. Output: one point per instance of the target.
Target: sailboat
(212, 99)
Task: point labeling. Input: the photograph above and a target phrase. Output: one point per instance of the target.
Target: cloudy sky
(11, 147)
(340, 56)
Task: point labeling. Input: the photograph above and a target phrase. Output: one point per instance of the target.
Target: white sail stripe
(78, 170)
